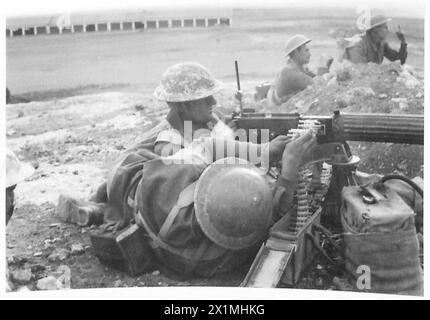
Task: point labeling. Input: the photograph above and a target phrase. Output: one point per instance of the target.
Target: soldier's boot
(82, 213)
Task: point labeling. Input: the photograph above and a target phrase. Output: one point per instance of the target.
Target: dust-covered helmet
(376, 21)
(186, 81)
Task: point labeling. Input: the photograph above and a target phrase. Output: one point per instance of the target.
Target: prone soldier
(188, 90)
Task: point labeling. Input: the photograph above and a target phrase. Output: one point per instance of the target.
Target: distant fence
(119, 26)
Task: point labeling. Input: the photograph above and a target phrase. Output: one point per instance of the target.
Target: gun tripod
(343, 175)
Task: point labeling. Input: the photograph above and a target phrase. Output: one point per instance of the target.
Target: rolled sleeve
(170, 136)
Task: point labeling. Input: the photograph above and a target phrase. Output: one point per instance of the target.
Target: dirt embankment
(368, 88)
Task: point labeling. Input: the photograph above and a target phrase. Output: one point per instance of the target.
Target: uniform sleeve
(292, 82)
(309, 73)
(356, 54)
(393, 55)
(207, 150)
(257, 154)
(170, 136)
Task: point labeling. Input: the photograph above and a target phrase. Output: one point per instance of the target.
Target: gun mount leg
(342, 175)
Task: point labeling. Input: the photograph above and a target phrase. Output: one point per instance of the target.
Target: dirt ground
(91, 98)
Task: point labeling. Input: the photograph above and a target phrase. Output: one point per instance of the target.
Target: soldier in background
(373, 47)
(294, 75)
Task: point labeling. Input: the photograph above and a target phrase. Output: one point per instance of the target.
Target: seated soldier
(294, 75)
(188, 90)
(373, 47)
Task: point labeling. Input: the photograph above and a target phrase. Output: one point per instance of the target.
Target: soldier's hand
(217, 116)
(295, 153)
(325, 61)
(329, 62)
(277, 146)
(400, 35)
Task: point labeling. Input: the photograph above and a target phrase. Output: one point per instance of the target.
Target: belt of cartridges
(313, 181)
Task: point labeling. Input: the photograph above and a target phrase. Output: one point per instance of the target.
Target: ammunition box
(126, 250)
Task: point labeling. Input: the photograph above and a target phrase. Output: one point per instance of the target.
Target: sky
(29, 7)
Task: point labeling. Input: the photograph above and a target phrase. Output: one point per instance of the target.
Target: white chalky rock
(21, 276)
(49, 283)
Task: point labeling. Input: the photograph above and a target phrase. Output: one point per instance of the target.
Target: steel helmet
(16, 170)
(295, 42)
(186, 81)
(233, 203)
(377, 21)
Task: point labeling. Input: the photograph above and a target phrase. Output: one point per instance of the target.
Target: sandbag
(389, 213)
(386, 243)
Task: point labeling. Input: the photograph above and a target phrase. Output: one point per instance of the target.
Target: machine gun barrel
(407, 129)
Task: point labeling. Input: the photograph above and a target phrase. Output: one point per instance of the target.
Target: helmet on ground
(186, 81)
(233, 203)
(377, 21)
(295, 42)
(16, 170)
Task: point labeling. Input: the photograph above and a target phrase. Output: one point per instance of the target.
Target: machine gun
(292, 247)
(408, 129)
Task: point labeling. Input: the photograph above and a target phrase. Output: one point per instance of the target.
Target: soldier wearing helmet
(207, 216)
(373, 47)
(294, 75)
(188, 90)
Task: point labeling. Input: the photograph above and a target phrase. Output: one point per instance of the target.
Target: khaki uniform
(289, 81)
(367, 50)
(170, 130)
(164, 208)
